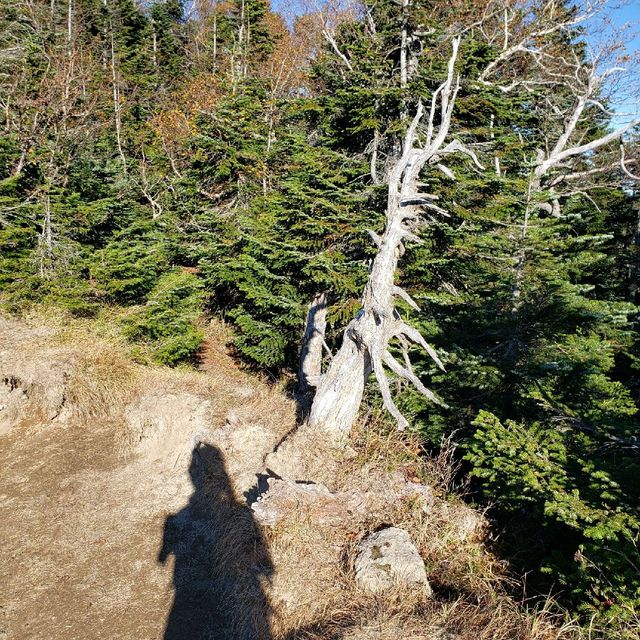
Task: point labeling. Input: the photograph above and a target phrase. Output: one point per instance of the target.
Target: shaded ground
(91, 548)
(215, 597)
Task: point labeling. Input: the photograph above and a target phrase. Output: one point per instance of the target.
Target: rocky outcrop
(285, 497)
(343, 509)
(388, 559)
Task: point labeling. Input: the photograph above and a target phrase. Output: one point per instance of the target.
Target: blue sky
(625, 15)
(624, 23)
(628, 14)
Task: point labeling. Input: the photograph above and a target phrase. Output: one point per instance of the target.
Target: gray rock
(284, 498)
(388, 558)
(312, 501)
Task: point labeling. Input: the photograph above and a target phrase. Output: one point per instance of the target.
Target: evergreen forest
(163, 162)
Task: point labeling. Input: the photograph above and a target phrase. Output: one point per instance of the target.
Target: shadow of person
(222, 565)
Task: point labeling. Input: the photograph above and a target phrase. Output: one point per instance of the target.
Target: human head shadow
(222, 564)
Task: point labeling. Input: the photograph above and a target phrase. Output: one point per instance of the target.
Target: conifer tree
(536, 337)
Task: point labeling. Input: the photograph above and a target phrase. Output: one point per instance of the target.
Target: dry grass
(472, 587)
(401, 614)
(104, 379)
(312, 595)
(377, 441)
(101, 384)
(101, 378)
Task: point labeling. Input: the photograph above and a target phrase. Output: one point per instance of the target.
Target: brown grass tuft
(472, 587)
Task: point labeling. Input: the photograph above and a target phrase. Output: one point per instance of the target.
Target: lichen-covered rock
(387, 559)
(285, 497)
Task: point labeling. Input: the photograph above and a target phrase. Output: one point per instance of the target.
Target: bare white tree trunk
(117, 107)
(21, 160)
(146, 187)
(404, 41)
(561, 156)
(496, 159)
(215, 35)
(366, 340)
(46, 240)
(532, 187)
(339, 395)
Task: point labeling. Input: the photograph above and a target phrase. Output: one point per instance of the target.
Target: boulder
(387, 559)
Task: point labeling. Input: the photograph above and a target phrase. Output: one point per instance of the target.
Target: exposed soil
(81, 532)
(107, 539)
(123, 508)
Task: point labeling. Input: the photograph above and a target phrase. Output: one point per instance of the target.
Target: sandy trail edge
(81, 534)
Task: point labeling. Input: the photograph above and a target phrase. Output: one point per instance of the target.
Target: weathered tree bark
(365, 345)
(339, 395)
(46, 240)
(313, 343)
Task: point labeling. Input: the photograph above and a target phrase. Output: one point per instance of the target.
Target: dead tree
(366, 341)
(313, 344)
(572, 161)
(527, 31)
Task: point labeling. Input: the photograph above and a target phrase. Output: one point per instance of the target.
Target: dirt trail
(81, 535)
(123, 505)
(96, 544)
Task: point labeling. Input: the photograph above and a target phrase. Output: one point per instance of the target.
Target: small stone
(388, 558)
